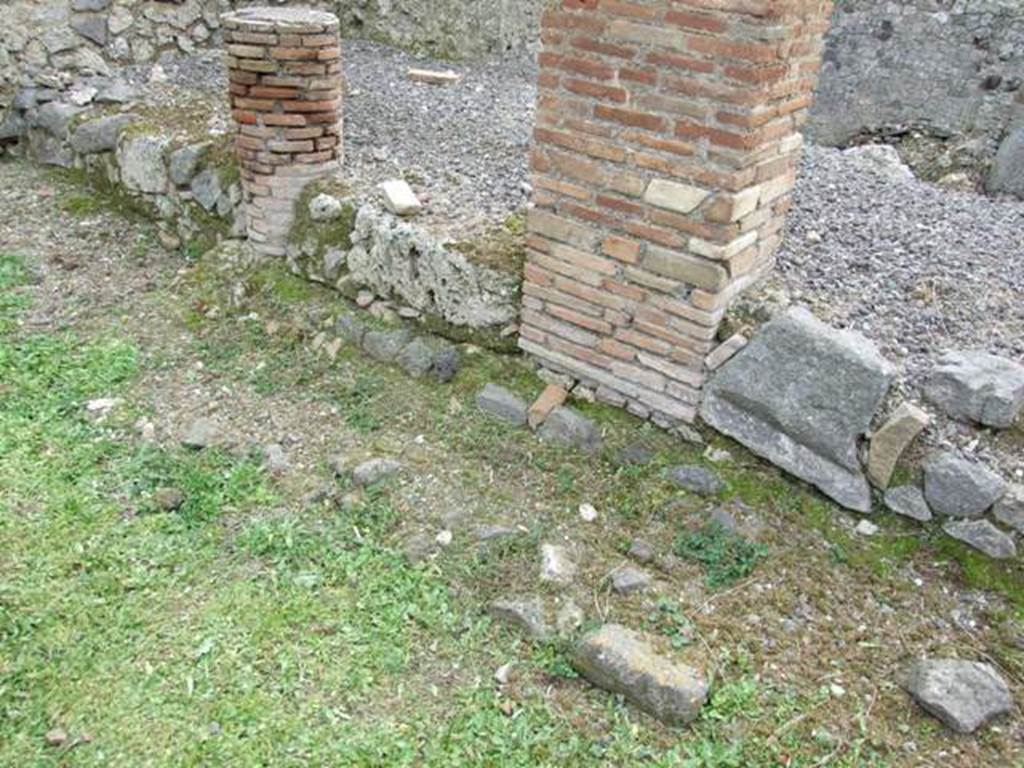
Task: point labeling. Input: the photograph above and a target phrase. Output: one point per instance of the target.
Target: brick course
(286, 93)
(665, 152)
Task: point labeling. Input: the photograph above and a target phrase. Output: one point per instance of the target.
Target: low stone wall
(190, 186)
(361, 248)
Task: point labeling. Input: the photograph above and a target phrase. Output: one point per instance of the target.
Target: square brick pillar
(284, 68)
(666, 148)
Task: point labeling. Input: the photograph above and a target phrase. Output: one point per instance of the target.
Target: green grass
(725, 557)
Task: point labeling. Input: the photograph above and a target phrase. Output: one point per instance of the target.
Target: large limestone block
(802, 394)
(623, 661)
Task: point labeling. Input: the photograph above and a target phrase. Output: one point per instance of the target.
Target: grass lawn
(251, 628)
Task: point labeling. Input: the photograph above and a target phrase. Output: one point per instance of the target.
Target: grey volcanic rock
(1007, 174)
(570, 427)
(417, 359)
(978, 387)
(385, 346)
(206, 188)
(1010, 508)
(964, 695)
(695, 479)
(184, 163)
(100, 135)
(526, 614)
(55, 118)
(909, 501)
(374, 471)
(201, 433)
(802, 394)
(623, 661)
(983, 536)
(956, 487)
(628, 580)
(500, 403)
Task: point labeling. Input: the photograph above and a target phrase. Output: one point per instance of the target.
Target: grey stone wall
(950, 66)
(45, 42)
(938, 68)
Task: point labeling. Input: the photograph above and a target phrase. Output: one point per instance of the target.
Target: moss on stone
(486, 338)
(502, 247)
(316, 237)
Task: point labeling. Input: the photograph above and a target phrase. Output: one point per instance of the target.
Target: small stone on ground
(557, 566)
(201, 433)
(965, 695)
(979, 387)
(1010, 509)
(628, 580)
(696, 479)
(908, 501)
(399, 198)
(956, 487)
(374, 471)
(569, 427)
(622, 661)
(526, 614)
(503, 405)
(983, 536)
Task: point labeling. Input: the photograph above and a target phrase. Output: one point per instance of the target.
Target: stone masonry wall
(667, 142)
(42, 38)
(947, 66)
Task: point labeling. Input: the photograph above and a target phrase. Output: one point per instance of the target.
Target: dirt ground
(805, 651)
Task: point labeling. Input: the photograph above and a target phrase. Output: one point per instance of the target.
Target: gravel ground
(462, 148)
(915, 267)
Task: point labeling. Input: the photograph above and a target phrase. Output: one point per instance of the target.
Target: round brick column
(284, 68)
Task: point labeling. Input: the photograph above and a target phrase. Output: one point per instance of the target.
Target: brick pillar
(666, 149)
(284, 67)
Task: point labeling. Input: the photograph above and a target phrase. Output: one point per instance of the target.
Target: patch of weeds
(80, 204)
(502, 247)
(357, 402)
(555, 659)
(668, 620)
(12, 276)
(725, 557)
(374, 517)
(738, 698)
(212, 483)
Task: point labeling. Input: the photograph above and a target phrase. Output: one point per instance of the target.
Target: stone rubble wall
(40, 39)
(191, 187)
(947, 66)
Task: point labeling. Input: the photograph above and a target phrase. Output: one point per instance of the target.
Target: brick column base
(284, 67)
(665, 153)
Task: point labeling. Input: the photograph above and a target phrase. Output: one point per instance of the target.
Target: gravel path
(915, 267)
(462, 148)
